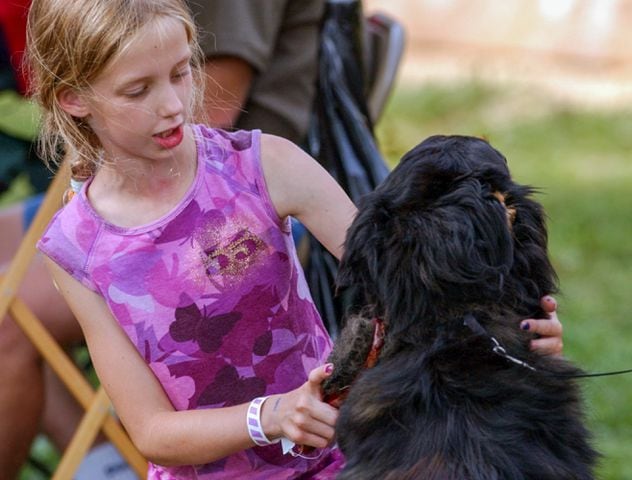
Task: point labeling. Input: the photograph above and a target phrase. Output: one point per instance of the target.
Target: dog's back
(450, 254)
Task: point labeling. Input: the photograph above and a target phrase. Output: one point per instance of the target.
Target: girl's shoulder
(233, 155)
(246, 147)
(70, 236)
(215, 143)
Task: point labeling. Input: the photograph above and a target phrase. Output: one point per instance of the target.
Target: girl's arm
(168, 437)
(300, 187)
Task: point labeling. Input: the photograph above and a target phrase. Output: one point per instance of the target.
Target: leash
(470, 321)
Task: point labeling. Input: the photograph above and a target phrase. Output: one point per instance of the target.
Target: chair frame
(99, 413)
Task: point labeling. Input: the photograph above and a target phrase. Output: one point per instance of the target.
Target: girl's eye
(181, 74)
(136, 93)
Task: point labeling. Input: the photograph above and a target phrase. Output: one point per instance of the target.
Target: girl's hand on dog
(549, 330)
(300, 415)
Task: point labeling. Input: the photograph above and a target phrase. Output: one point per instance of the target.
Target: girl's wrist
(269, 418)
(254, 424)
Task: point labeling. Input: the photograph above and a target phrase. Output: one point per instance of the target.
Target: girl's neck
(144, 179)
(134, 192)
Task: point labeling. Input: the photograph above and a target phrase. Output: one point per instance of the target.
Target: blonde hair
(69, 43)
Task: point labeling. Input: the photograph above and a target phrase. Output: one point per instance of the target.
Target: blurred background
(549, 83)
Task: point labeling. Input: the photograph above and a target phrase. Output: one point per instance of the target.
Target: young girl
(176, 254)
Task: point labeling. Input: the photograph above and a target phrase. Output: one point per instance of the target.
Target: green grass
(580, 161)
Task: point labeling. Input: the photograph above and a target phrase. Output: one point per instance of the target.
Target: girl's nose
(170, 103)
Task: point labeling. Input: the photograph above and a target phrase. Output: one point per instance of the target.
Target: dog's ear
(533, 275)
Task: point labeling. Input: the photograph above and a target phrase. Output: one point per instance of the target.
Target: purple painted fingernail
(329, 368)
(525, 326)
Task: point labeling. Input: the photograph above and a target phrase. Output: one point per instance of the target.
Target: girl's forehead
(161, 39)
(160, 29)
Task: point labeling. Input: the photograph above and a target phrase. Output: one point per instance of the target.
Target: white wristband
(253, 421)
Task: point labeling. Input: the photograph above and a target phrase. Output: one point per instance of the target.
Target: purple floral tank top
(212, 295)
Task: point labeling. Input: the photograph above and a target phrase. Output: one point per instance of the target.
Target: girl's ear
(73, 103)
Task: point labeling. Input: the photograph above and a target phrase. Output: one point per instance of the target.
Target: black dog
(444, 260)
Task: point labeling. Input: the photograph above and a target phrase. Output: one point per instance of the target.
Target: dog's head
(446, 233)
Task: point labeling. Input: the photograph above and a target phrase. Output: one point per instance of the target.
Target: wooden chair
(99, 414)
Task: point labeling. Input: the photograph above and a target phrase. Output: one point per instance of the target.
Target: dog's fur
(432, 245)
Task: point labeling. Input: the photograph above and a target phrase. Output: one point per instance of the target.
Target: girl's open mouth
(169, 138)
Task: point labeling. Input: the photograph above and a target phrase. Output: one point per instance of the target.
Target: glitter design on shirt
(235, 256)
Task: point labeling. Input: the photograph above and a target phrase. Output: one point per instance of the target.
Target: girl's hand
(301, 415)
(549, 330)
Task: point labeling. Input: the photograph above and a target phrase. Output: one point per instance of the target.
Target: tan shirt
(279, 39)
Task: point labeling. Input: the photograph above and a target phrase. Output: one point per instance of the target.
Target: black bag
(341, 138)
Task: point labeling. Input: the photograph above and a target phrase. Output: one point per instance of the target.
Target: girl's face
(139, 103)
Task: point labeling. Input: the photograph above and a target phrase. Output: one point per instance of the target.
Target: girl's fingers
(318, 375)
(303, 417)
(303, 437)
(549, 331)
(312, 426)
(547, 346)
(319, 411)
(548, 304)
(550, 335)
(312, 431)
(325, 414)
(545, 328)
